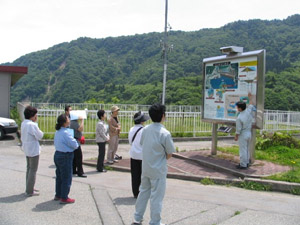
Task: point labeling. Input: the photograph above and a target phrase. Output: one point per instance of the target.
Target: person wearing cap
(136, 154)
(114, 132)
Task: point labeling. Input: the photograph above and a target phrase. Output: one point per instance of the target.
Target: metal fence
(180, 122)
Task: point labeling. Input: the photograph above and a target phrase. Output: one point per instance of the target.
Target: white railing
(179, 122)
(123, 107)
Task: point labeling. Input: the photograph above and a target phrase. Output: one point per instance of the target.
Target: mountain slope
(129, 69)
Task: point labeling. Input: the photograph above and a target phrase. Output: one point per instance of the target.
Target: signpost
(228, 79)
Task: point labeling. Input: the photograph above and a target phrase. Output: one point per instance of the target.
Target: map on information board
(227, 83)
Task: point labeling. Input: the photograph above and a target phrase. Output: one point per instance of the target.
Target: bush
(267, 140)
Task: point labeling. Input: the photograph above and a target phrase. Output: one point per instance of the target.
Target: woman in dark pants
(101, 138)
(65, 145)
(136, 153)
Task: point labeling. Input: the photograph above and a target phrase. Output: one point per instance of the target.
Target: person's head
(115, 110)
(30, 113)
(101, 114)
(157, 112)
(68, 109)
(140, 118)
(62, 121)
(241, 106)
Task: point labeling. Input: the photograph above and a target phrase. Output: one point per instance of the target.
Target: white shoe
(35, 193)
(136, 222)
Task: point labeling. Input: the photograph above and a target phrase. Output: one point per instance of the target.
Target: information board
(230, 79)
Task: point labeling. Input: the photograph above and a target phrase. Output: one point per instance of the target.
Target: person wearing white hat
(114, 132)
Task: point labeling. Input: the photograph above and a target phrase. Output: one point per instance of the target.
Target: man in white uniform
(157, 147)
(243, 131)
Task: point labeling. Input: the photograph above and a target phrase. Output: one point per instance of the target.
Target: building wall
(5, 81)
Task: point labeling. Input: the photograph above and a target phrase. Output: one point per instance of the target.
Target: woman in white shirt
(136, 153)
(30, 136)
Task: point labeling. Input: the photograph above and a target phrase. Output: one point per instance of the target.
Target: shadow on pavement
(13, 198)
(125, 201)
(8, 138)
(50, 205)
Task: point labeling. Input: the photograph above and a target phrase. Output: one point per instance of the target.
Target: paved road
(107, 199)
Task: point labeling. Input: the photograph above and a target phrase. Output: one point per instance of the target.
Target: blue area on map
(215, 83)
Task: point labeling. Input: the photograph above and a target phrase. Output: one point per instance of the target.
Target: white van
(7, 126)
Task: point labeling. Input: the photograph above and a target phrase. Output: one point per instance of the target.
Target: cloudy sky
(32, 25)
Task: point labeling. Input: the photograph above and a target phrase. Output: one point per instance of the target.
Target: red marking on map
(242, 75)
(209, 98)
(219, 102)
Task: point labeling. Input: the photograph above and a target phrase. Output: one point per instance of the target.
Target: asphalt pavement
(106, 198)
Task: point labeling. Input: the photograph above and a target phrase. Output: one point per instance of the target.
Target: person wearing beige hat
(114, 132)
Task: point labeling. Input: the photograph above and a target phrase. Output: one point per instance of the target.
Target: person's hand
(107, 140)
(80, 117)
(236, 138)
(249, 94)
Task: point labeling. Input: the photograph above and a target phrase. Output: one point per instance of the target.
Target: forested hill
(129, 69)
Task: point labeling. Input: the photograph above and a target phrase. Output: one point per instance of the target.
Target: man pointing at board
(243, 131)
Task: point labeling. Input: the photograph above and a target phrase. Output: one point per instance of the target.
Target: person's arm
(80, 128)
(169, 156)
(238, 129)
(71, 142)
(113, 125)
(101, 132)
(36, 132)
(250, 98)
(169, 146)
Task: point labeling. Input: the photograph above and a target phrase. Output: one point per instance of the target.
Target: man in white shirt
(30, 136)
(136, 154)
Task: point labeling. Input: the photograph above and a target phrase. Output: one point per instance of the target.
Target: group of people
(151, 147)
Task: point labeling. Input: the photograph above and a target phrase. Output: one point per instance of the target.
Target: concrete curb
(279, 186)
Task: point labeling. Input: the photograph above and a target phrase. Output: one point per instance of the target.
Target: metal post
(214, 141)
(165, 50)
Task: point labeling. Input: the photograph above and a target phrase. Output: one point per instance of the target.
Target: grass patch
(251, 185)
(108, 168)
(295, 191)
(207, 181)
(282, 155)
(237, 213)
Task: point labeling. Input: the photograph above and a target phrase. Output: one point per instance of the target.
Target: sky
(32, 25)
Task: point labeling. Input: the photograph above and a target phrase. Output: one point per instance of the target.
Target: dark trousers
(136, 172)
(63, 162)
(77, 162)
(101, 154)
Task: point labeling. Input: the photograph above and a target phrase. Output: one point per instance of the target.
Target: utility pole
(165, 51)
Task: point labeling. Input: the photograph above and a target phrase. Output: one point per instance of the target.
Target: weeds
(207, 181)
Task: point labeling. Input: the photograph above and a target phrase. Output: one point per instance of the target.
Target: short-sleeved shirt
(156, 142)
(136, 150)
(244, 121)
(75, 125)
